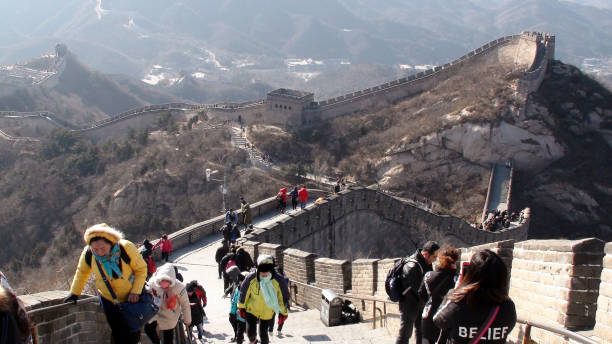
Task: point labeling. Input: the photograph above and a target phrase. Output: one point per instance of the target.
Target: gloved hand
(242, 313)
(72, 298)
(281, 319)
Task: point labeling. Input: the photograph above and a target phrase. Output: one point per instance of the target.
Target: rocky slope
(441, 144)
(144, 185)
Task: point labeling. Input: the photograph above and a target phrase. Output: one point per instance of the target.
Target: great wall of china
(561, 283)
(528, 52)
(330, 245)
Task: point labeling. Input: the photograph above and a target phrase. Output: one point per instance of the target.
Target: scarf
(110, 262)
(269, 294)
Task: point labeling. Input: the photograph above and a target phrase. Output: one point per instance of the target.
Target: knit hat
(265, 263)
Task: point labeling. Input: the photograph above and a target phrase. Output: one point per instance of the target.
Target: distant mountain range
(230, 50)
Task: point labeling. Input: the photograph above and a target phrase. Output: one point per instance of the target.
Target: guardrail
(567, 334)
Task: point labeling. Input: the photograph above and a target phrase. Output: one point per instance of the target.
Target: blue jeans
(302, 205)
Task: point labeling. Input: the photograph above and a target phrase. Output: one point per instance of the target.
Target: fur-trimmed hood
(7, 301)
(102, 230)
(164, 272)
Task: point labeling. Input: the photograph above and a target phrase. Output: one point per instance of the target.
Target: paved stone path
(302, 326)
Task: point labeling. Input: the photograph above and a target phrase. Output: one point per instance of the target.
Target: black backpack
(393, 283)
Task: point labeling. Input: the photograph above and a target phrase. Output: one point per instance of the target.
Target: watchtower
(288, 105)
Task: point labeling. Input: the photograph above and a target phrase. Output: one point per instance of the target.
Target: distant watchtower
(288, 105)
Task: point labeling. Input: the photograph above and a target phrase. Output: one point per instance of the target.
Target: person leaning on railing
(123, 267)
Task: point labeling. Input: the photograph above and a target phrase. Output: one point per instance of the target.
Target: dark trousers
(410, 317)
(120, 333)
(165, 256)
(239, 328)
(280, 327)
(294, 203)
(252, 329)
(151, 331)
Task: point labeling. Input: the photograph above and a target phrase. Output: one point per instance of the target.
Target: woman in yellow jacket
(123, 267)
(262, 294)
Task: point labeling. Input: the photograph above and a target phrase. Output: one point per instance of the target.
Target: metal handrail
(560, 331)
(383, 313)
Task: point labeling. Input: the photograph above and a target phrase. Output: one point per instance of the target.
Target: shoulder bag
(134, 315)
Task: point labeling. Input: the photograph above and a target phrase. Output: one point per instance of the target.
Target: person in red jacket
(281, 197)
(303, 195)
(166, 247)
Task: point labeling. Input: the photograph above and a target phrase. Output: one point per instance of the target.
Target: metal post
(527, 334)
(373, 315)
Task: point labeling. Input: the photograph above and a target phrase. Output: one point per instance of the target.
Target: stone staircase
(239, 140)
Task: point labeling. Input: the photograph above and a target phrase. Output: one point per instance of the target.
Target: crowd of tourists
(444, 305)
(498, 220)
(440, 301)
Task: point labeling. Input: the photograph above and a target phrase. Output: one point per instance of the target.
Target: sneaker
(279, 334)
(232, 340)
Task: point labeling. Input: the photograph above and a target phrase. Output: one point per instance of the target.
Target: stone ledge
(584, 245)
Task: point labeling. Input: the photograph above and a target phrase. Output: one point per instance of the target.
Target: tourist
(337, 188)
(146, 251)
(281, 198)
(235, 234)
(435, 285)
(229, 260)
(15, 325)
(249, 230)
(410, 304)
(247, 215)
(262, 294)
(294, 198)
(219, 254)
(197, 309)
(124, 268)
(166, 247)
(172, 299)
(226, 231)
(231, 216)
(238, 323)
(279, 272)
(303, 194)
(479, 307)
(244, 260)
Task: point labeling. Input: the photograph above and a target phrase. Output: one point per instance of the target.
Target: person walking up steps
(108, 255)
(197, 308)
(480, 306)
(434, 287)
(410, 305)
(247, 215)
(303, 194)
(262, 294)
(172, 299)
(294, 198)
(238, 323)
(166, 247)
(281, 198)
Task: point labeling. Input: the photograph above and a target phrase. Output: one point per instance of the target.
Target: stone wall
(362, 223)
(556, 282)
(518, 51)
(603, 319)
(66, 323)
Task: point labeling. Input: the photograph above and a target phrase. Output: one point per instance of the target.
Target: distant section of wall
(66, 323)
(515, 52)
(603, 319)
(361, 223)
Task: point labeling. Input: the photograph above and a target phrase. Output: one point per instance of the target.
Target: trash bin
(331, 308)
